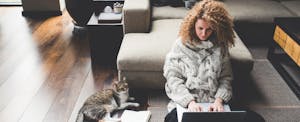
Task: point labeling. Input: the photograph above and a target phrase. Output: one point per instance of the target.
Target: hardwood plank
(54, 47)
(21, 93)
(65, 100)
(11, 23)
(42, 101)
(86, 90)
(12, 46)
(12, 56)
(17, 80)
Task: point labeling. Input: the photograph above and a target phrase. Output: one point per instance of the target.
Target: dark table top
(291, 25)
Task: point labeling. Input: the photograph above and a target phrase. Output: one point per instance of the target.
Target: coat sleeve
(224, 90)
(175, 85)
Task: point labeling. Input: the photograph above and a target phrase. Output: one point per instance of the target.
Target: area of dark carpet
(264, 92)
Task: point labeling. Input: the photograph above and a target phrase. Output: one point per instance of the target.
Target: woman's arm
(225, 89)
(175, 85)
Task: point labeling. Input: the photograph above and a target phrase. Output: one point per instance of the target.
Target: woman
(198, 68)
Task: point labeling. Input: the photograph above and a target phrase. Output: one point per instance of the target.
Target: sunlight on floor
(11, 1)
(21, 85)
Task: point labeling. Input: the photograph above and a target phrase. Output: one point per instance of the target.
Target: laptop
(205, 116)
(232, 116)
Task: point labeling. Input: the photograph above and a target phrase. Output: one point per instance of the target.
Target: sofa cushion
(241, 59)
(147, 51)
(293, 6)
(168, 12)
(136, 16)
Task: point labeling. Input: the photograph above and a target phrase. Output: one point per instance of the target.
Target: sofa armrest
(241, 58)
(136, 16)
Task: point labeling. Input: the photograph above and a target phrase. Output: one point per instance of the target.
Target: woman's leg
(172, 116)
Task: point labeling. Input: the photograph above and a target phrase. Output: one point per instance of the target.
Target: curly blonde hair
(216, 15)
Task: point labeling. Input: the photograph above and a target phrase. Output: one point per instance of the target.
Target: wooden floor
(45, 70)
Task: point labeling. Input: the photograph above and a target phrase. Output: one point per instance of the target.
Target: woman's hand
(194, 107)
(217, 106)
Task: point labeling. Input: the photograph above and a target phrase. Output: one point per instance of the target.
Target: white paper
(135, 116)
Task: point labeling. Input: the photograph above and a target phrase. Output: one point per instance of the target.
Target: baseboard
(41, 14)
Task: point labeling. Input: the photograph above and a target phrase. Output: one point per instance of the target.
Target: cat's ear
(124, 79)
(114, 84)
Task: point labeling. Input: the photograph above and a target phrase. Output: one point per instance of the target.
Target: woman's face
(203, 29)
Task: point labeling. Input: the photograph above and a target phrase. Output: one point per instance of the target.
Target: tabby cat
(103, 103)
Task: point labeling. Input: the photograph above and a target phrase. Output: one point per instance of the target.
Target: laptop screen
(233, 116)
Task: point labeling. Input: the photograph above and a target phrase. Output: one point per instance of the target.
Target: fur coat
(201, 73)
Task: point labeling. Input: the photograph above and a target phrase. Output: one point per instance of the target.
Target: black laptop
(232, 116)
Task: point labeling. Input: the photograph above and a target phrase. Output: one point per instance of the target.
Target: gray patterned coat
(202, 73)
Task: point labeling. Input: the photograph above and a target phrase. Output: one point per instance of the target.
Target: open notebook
(205, 106)
(135, 116)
